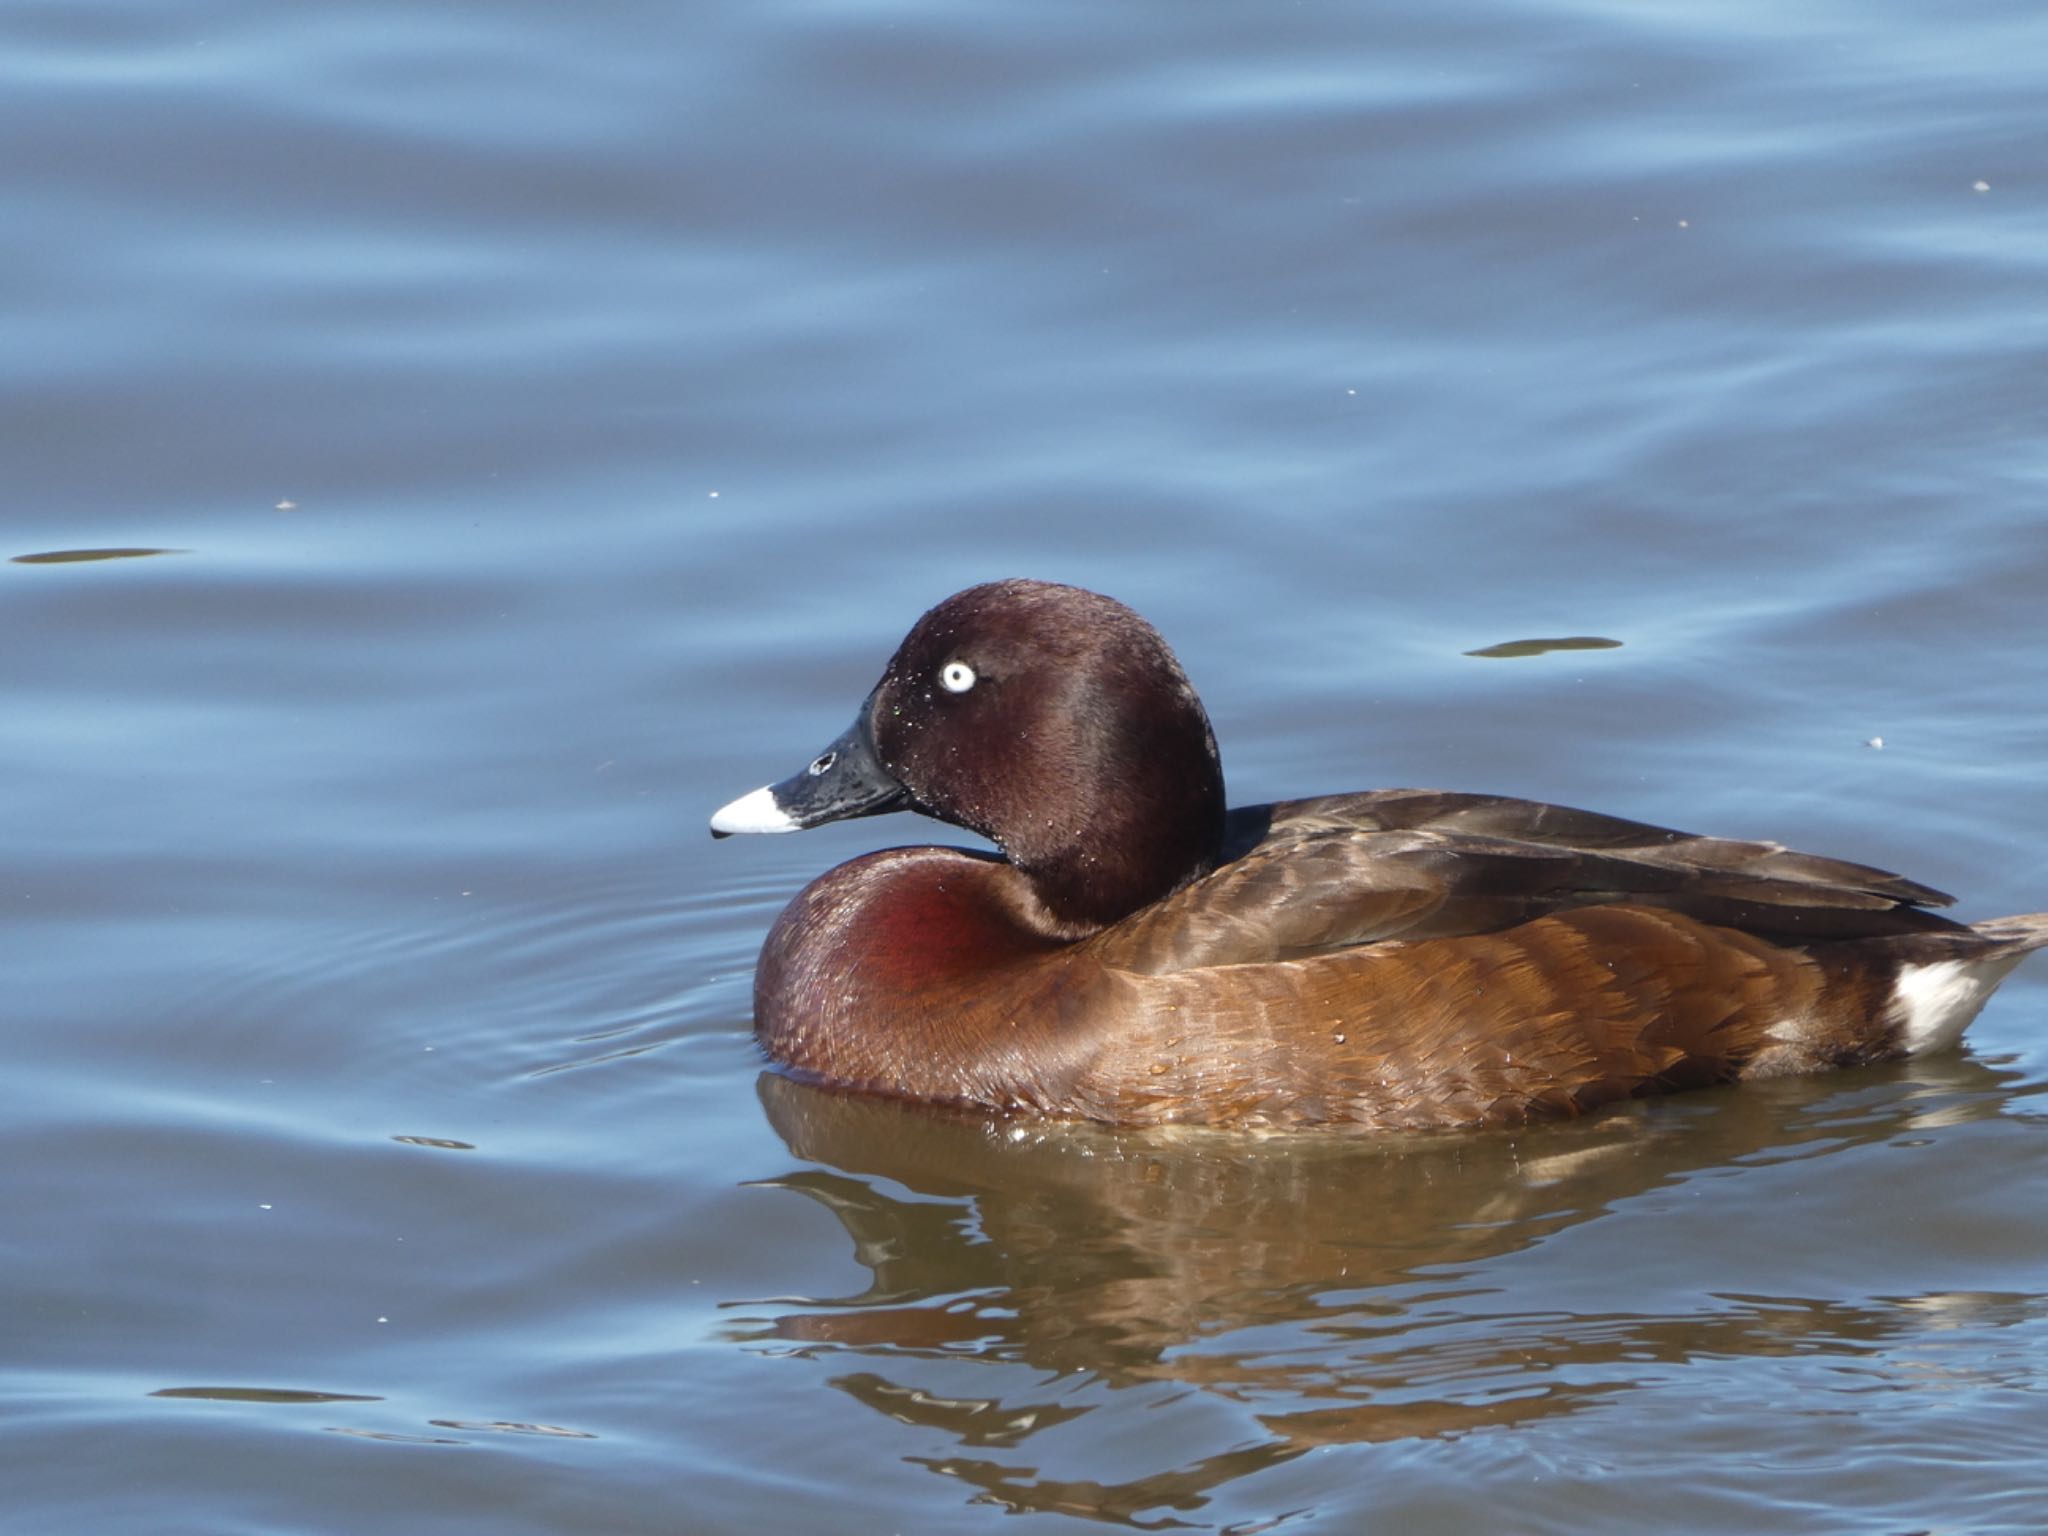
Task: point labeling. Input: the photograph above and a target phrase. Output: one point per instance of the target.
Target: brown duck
(1394, 959)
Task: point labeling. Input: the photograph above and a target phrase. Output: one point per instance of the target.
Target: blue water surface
(546, 421)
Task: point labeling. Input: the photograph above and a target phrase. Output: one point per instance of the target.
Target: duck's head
(1051, 720)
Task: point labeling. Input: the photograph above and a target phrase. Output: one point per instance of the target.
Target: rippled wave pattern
(450, 450)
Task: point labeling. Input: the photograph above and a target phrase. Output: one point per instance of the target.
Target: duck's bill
(844, 780)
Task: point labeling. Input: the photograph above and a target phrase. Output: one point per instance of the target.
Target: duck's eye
(956, 677)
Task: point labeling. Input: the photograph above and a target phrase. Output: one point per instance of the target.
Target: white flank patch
(1791, 1031)
(755, 812)
(1934, 1003)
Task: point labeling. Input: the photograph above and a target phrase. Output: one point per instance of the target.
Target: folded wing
(1311, 876)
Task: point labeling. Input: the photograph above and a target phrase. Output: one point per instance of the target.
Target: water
(555, 418)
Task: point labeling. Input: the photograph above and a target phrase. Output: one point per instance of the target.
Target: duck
(1137, 954)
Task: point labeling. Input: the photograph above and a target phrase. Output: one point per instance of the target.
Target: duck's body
(1396, 959)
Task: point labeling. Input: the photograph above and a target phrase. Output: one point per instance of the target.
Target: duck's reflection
(1328, 1290)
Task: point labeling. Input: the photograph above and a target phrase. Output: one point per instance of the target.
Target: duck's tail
(1936, 994)
(2016, 935)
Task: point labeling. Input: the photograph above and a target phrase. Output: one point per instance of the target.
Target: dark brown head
(1051, 720)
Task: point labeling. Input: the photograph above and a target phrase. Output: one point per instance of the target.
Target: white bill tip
(755, 812)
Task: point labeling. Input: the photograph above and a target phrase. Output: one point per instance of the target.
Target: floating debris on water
(70, 556)
(1538, 647)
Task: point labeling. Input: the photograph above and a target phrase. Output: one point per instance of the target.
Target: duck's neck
(1129, 838)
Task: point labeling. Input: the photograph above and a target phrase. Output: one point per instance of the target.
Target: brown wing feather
(1319, 875)
(1501, 818)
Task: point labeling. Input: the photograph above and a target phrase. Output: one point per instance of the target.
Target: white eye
(956, 677)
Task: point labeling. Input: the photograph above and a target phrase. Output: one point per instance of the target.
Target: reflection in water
(1327, 1290)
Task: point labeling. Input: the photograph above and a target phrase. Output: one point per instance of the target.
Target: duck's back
(1308, 876)
(1417, 958)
